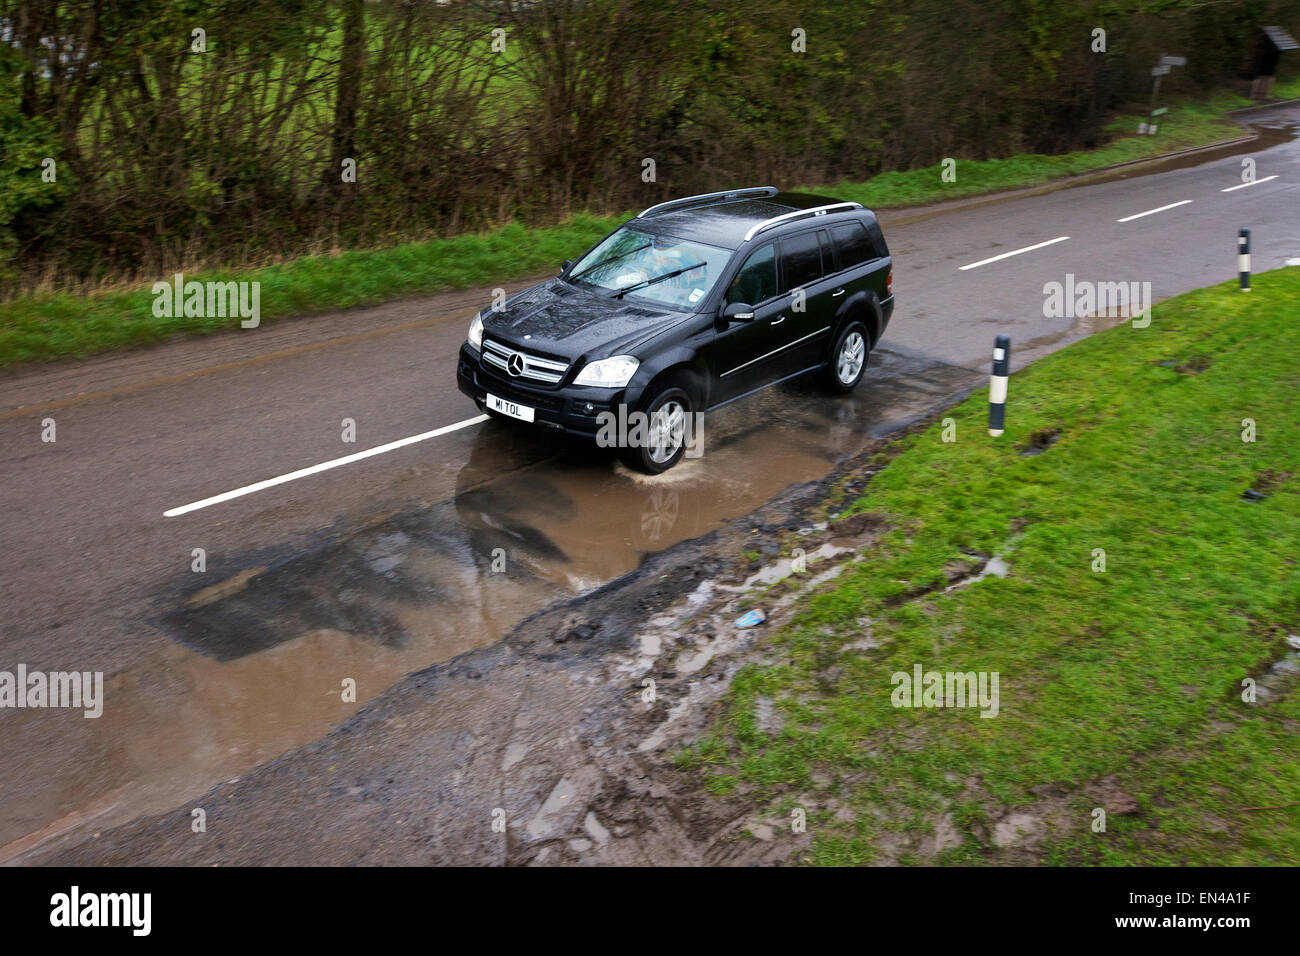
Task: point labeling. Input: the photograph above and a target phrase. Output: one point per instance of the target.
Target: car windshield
(642, 266)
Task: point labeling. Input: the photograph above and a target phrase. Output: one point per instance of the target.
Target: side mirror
(566, 266)
(738, 312)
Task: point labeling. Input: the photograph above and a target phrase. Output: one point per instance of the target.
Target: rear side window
(756, 280)
(854, 244)
(878, 238)
(801, 261)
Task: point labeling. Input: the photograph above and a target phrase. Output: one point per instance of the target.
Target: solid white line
(323, 466)
(1152, 212)
(1007, 255)
(1254, 182)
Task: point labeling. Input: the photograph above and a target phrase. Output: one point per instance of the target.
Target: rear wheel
(661, 440)
(848, 358)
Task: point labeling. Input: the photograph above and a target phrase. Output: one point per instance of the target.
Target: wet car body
(534, 348)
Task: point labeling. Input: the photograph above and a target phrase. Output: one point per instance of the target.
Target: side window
(801, 261)
(756, 280)
(878, 239)
(854, 244)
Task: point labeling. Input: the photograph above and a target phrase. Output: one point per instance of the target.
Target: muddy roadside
(554, 746)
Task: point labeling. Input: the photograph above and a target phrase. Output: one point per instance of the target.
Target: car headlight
(476, 332)
(612, 372)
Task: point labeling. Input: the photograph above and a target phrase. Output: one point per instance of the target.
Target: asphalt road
(375, 568)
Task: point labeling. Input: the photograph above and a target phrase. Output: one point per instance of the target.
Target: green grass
(45, 326)
(1123, 681)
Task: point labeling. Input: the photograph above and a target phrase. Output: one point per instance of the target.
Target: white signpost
(1160, 70)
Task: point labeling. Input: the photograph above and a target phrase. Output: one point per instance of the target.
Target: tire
(666, 441)
(848, 358)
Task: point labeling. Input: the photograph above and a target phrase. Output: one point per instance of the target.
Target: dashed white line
(1007, 255)
(1253, 182)
(425, 436)
(1152, 212)
(323, 466)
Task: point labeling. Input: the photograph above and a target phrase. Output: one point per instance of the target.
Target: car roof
(724, 222)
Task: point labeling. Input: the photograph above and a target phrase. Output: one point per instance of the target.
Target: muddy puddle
(258, 664)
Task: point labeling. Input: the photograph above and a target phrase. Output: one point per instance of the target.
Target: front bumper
(559, 409)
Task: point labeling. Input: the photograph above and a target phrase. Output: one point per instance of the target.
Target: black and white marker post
(998, 384)
(1243, 258)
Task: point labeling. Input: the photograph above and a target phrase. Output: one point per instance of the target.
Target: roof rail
(725, 194)
(801, 214)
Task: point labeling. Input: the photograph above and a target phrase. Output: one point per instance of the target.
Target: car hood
(566, 320)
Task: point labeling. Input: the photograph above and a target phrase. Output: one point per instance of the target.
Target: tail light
(889, 282)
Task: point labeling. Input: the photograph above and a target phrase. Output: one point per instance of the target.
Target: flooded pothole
(281, 648)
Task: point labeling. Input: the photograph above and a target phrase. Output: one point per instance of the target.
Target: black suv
(691, 305)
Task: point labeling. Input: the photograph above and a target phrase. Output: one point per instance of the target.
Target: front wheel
(848, 359)
(661, 439)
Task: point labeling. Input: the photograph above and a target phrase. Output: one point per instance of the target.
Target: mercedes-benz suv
(693, 304)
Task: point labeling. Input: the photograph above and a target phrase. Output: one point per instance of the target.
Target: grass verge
(39, 328)
(1121, 689)
(43, 327)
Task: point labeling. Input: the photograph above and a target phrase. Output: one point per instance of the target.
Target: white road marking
(1152, 212)
(323, 466)
(1254, 182)
(1007, 255)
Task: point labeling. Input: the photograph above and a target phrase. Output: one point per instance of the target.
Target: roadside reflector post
(1243, 258)
(998, 384)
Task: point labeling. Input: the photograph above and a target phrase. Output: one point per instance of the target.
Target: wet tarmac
(260, 662)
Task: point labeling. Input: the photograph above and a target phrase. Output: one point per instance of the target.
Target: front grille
(502, 387)
(532, 367)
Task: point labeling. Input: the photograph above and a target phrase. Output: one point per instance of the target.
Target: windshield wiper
(667, 275)
(621, 255)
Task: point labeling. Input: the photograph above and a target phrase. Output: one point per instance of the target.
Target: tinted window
(801, 261)
(878, 239)
(854, 244)
(756, 280)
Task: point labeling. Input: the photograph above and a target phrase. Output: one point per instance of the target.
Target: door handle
(837, 292)
(778, 320)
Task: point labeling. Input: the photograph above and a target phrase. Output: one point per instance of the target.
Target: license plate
(522, 412)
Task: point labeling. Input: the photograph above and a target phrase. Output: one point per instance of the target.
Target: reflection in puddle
(259, 661)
